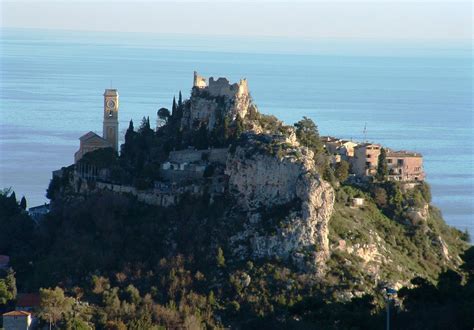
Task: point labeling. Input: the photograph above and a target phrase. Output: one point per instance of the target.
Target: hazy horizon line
(224, 35)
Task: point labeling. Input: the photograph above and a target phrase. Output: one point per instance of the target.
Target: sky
(382, 19)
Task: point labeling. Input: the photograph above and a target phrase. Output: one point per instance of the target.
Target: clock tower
(111, 106)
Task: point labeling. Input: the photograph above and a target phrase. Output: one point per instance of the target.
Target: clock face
(111, 104)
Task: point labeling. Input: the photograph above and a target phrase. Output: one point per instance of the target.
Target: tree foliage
(8, 289)
(342, 171)
(308, 134)
(382, 167)
(54, 305)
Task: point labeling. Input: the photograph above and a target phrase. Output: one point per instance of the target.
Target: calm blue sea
(411, 96)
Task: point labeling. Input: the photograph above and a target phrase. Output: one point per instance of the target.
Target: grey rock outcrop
(417, 216)
(260, 181)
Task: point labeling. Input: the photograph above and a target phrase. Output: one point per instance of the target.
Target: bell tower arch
(111, 107)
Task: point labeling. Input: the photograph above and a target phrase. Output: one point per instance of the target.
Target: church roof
(90, 135)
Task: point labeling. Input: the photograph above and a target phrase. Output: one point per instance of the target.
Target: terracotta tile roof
(28, 300)
(403, 153)
(17, 313)
(89, 135)
(367, 144)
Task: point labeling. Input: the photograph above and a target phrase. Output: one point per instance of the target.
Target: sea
(406, 95)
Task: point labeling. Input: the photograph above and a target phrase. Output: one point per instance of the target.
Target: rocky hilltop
(227, 216)
(281, 185)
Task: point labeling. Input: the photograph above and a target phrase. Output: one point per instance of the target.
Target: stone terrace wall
(180, 175)
(218, 155)
(148, 197)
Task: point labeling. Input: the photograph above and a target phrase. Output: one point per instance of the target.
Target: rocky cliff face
(287, 197)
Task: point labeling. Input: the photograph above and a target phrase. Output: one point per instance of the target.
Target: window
(389, 161)
(369, 155)
(400, 162)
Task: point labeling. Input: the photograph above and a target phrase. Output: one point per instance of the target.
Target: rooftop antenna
(365, 132)
(110, 84)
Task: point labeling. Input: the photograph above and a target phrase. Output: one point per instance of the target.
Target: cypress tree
(174, 105)
(13, 197)
(180, 99)
(382, 167)
(130, 132)
(239, 126)
(23, 203)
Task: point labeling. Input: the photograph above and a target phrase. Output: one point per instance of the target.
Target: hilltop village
(183, 169)
(224, 217)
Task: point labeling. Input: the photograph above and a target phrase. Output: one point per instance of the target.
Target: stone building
(199, 81)
(110, 131)
(340, 147)
(190, 164)
(90, 142)
(346, 149)
(17, 320)
(37, 213)
(405, 166)
(366, 159)
(221, 86)
(216, 95)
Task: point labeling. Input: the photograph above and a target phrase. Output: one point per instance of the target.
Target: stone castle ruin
(214, 96)
(221, 86)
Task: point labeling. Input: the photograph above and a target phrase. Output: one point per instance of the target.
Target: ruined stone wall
(204, 102)
(222, 87)
(202, 110)
(199, 81)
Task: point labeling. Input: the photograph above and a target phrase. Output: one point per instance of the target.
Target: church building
(109, 139)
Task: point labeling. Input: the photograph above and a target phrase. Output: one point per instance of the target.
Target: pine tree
(308, 134)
